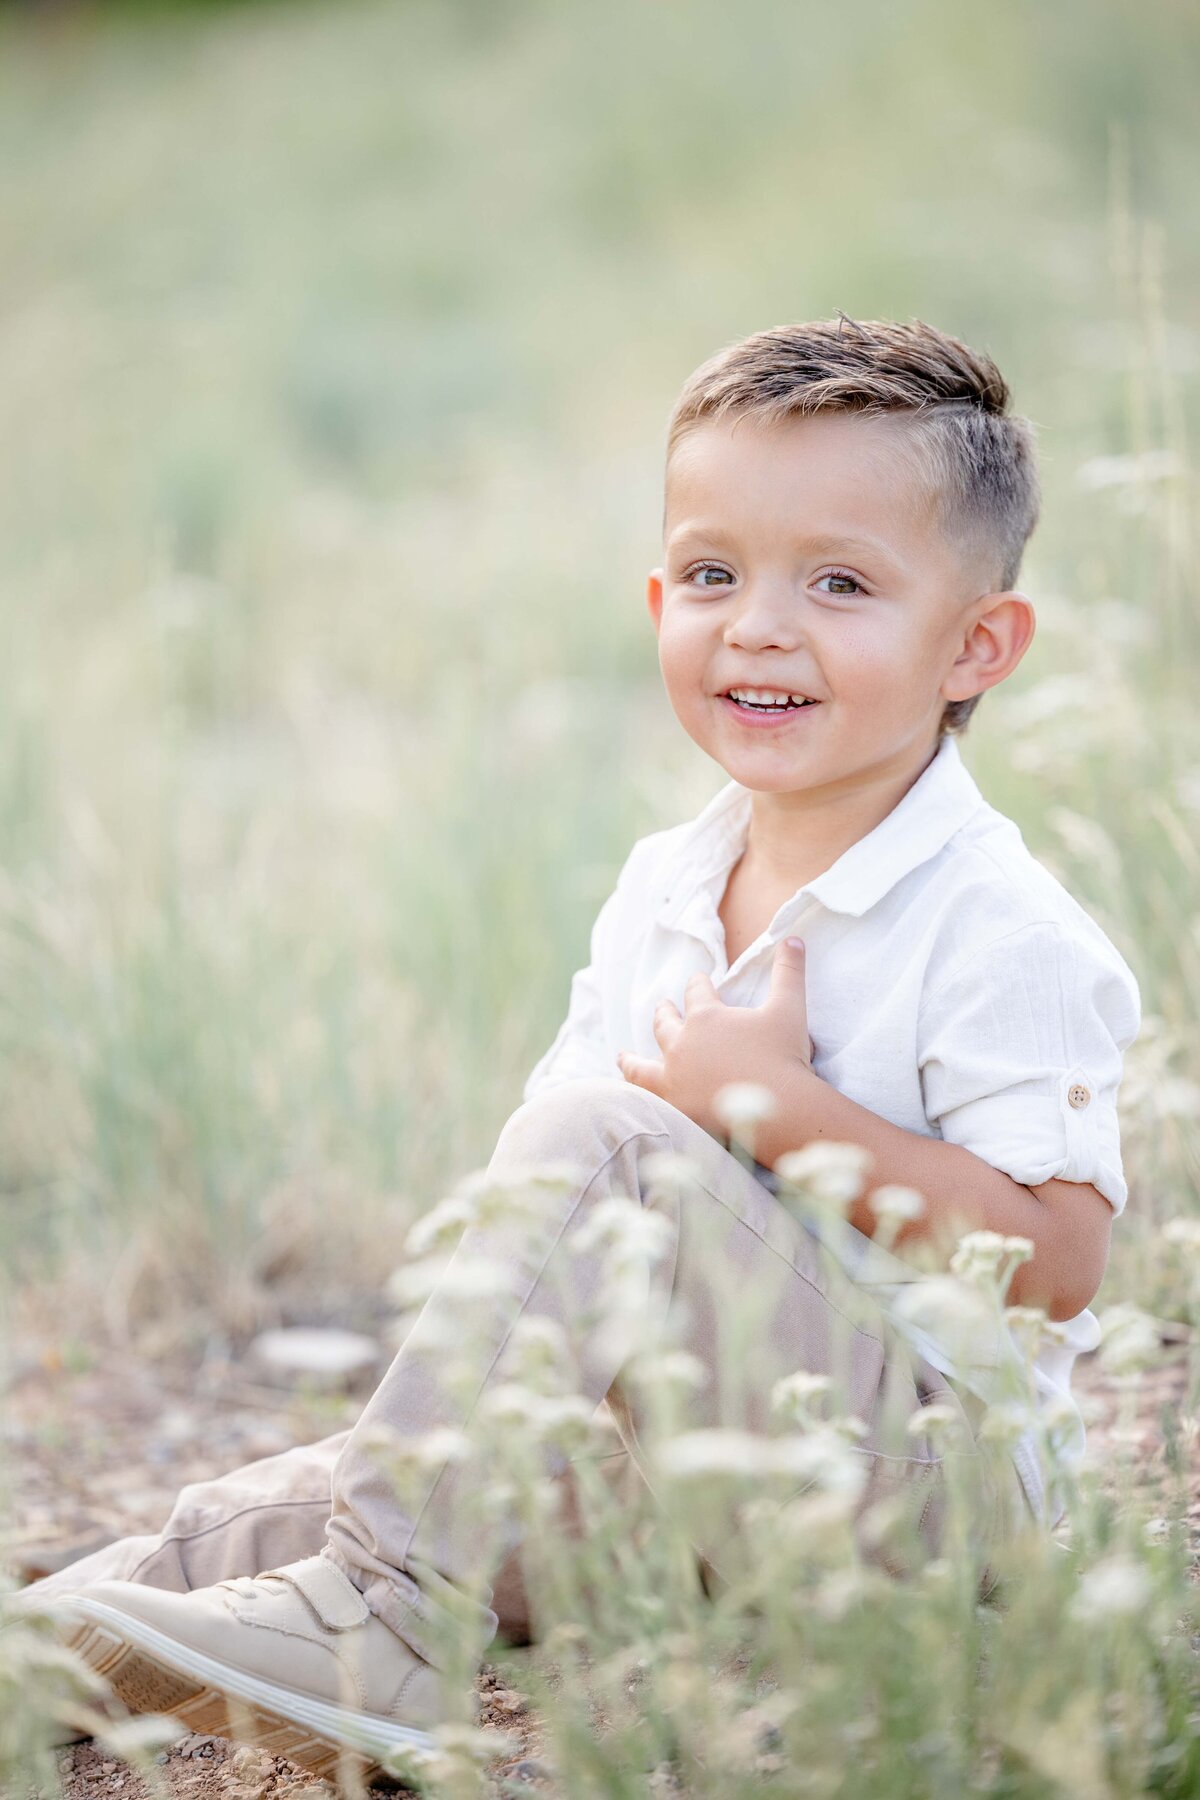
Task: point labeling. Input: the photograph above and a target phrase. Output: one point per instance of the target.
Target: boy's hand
(712, 1043)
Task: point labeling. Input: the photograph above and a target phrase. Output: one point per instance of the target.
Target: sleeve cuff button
(1078, 1095)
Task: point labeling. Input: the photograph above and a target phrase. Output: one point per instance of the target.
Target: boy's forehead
(848, 466)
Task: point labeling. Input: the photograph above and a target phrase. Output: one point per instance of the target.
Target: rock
(197, 1743)
(506, 1701)
(312, 1353)
(251, 1767)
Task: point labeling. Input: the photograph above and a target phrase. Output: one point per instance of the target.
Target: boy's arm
(1006, 1079)
(1069, 1223)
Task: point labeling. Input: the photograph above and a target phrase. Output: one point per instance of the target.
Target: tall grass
(336, 346)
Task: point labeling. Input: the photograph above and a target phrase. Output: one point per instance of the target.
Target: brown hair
(977, 456)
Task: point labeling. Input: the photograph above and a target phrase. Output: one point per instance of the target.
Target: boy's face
(805, 556)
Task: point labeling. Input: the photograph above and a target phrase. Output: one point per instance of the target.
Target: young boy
(846, 510)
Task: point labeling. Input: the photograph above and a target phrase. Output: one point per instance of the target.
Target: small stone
(108, 1768)
(506, 1701)
(196, 1743)
(532, 1770)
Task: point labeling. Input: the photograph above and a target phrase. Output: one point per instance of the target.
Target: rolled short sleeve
(1021, 1050)
(580, 1046)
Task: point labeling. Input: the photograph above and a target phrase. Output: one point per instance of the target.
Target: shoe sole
(150, 1672)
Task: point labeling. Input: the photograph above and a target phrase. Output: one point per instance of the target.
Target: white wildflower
(1005, 1421)
(512, 1403)
(565, 1421)
(1129, 1339)
(954, 1313)
(1156, 1531)
(818, 1457)
(819, 1523)
(440, 1445)
(792, 1394)
(625, 1231)
(519, 1192)
(978, 1255)
(406, 1461)
(893, 1201)
(721, 1451)
(1027, 1324)
(667, 1369)
(464, 1278)
(831, 1173)
(741, 1103)
(1117, 1586)
(1184, 1231)
(540, 1347)
(936, 1420)
(558, 1419)
(441, 1227)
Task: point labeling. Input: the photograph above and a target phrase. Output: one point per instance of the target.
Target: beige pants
(729, 1239)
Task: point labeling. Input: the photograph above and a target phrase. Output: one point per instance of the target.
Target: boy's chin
(766, 775)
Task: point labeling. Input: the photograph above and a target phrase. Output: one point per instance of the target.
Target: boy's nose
(768, 616)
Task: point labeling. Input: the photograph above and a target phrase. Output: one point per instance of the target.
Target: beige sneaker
(292, 1659)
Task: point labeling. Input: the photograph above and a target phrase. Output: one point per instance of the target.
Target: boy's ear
(654, 595)
(994, 645)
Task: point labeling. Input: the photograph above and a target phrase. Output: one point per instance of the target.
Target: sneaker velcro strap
(332, 1595)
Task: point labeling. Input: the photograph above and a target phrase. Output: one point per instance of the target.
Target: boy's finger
(788, 977)
(667, 1023)
(698, 989)
(642, 1071)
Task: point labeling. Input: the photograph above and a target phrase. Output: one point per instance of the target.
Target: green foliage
(337, 348)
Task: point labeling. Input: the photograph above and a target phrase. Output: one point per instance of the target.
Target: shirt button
(1078, 1095)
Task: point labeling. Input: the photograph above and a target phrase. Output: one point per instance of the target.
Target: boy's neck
(794, 837)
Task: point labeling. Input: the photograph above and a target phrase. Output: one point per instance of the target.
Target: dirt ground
(98, 1451)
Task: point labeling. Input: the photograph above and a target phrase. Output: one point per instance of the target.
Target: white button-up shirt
(954, 987)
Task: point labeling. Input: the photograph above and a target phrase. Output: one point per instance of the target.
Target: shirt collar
(942, 799)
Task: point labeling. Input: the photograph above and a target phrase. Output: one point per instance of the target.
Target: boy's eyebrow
(820, 546)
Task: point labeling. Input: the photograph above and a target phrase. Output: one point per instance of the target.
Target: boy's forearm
(961, 1191)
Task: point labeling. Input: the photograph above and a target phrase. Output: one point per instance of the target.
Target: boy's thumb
(787, 970)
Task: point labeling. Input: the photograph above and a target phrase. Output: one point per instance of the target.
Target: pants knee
(571, 1119)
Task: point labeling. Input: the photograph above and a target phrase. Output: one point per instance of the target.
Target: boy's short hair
(975, 455)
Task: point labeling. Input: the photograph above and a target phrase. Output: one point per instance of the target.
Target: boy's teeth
(763, 697)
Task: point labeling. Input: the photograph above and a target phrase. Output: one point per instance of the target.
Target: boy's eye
(840, 582)
(699, 571)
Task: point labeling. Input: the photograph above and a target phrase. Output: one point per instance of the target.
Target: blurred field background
(336, 347)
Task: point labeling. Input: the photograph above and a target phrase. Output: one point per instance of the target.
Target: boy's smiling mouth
(765, 706)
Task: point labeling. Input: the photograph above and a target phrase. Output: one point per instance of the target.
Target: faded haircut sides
(975, 455)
